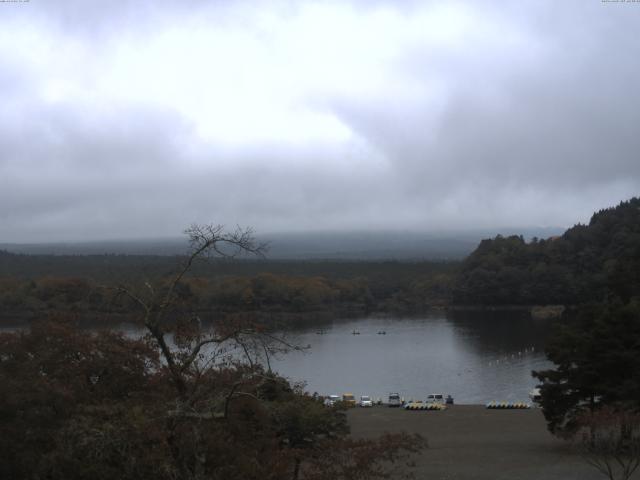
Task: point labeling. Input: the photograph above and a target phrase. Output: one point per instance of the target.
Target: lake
(475, 357)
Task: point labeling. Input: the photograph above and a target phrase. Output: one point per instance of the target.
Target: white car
(365, 401)
(435, 398)
(331, 400)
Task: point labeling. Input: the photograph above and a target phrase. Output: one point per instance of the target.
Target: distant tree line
(240, 286)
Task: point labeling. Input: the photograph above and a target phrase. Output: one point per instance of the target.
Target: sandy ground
(471, 442)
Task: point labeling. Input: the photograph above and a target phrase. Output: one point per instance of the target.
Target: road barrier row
(507, 405)
(425, 406)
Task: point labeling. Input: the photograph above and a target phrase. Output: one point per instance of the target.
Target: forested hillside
(587, 263)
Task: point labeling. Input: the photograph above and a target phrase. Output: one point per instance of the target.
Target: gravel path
(471, 442)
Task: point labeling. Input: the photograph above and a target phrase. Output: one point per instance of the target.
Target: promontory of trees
(588, 262)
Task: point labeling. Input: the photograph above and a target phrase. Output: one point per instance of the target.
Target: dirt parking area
(472, 442)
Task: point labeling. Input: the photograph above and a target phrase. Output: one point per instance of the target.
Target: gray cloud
(137, 121)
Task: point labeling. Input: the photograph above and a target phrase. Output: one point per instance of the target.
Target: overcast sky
(136, 118)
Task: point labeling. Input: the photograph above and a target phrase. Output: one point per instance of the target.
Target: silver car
(365, 401)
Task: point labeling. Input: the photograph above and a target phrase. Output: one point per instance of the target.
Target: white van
(395, 400)
(435, 398)
(535, 395)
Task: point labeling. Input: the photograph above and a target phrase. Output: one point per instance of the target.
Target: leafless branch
(198, 347)
(128, 293)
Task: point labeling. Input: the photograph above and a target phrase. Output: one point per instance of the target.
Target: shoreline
(21, 317)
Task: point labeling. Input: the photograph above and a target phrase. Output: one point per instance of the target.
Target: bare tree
(209, 367)
(194, 347)
(609, 440)
(219, 380)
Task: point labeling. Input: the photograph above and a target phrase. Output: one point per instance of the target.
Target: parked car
(349, 399)
(535, 395)
(365, 401)
(331, 400)
(394, 400)
(435, 398)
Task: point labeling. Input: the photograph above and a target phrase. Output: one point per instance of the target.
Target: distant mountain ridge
(302, 246)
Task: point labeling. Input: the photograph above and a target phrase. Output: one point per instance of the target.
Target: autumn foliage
(76, 404)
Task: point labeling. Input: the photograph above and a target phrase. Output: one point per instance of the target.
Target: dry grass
(471, 442)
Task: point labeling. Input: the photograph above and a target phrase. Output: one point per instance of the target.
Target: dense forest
(588, 262)
(33, 285)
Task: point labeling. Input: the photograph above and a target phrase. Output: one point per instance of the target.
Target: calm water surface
(476, 358)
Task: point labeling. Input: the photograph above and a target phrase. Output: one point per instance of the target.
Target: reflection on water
(474, 357)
